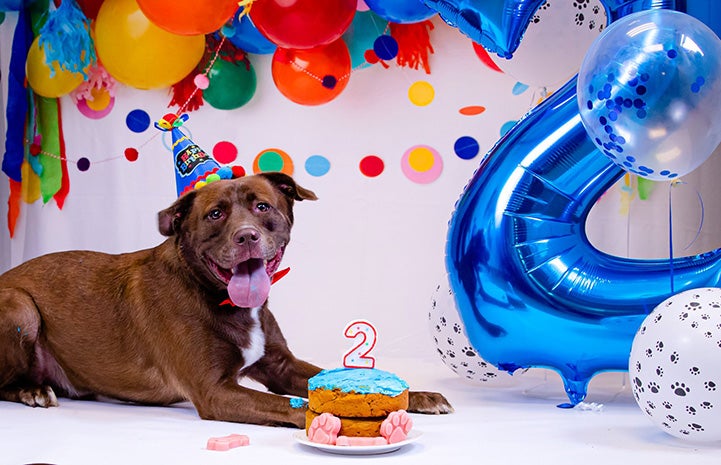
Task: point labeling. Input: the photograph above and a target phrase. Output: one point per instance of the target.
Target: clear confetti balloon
(649, 93)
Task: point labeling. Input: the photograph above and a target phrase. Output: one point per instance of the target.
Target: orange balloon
(312, 76)
(189, 17)
(38, 73)
(140, 54)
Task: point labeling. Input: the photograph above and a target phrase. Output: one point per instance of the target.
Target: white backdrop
(370, 248)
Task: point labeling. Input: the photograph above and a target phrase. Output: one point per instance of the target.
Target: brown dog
(156, 326)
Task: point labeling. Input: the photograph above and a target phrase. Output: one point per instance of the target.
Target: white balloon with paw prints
(452, 344)
(675, 365)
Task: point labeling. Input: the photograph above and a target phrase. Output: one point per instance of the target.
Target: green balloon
(231, 85)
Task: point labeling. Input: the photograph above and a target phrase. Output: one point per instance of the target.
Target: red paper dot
(131, 154)
(225, 152)
(371, 57)
(371, 166)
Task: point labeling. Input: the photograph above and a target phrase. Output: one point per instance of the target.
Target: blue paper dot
(137, 120)
(672, 53)
(630, 158)
(317, 165)
(466, 147)
(83, 164)
(507, 126)
(386, 47)
(665, 173)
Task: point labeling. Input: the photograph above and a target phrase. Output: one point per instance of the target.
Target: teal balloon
(232, 85)
(359, 37)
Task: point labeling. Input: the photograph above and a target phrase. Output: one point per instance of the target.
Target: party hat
(193, 167)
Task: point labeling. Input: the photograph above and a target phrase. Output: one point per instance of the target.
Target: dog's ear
(288, 186)
(170, 219)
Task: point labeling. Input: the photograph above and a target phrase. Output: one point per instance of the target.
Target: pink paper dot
(225, 152)
(201, 81)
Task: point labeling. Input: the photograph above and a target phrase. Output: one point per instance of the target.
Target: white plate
(301, 437)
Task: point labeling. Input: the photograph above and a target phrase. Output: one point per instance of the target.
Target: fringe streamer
(66, 39)
(414, 44)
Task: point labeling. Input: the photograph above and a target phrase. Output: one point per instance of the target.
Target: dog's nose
(246, 236)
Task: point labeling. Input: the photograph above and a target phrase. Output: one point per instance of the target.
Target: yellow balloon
(140, 54)
(38, 74)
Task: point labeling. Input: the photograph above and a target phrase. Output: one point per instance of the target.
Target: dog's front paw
(428, 402)
(36, 396)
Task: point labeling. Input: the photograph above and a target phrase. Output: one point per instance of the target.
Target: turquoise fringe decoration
(66, 39)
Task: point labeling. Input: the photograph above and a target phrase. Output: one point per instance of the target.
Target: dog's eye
(262, 207)
(215, 214)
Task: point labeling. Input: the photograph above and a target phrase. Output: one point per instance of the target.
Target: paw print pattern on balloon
(675, 358)
(452, 344)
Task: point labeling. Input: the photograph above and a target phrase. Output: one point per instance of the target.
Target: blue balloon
(248, 38)
(401, 11)
(649, 93)
(497, 25)
(531, 289)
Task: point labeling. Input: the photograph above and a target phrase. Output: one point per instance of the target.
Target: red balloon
(302, 24)
(189, 17)
(90, 7)
(312, 76)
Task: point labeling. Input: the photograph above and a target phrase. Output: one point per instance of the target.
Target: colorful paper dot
(466, 147)
(386, 47)
(317, 165)
(422, 164)
(225, 152)
(507, 126)
(371, 166)
(472, 110)
(131, 154)
(273, 160)
(201, 81)
(519, 88)
(137, 120)
(101, 99)
(83, 164)
(421, 93)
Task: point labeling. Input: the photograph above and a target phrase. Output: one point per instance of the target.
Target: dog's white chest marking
(256, 349)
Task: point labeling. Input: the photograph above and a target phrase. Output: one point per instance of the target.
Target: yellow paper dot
(421, 93)
(421, 159)
(100, 101)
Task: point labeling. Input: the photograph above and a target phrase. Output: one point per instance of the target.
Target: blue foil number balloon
(531, 289)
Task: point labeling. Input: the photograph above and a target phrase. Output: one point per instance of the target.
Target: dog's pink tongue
(250, 285)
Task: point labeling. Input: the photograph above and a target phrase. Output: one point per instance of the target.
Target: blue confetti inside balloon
(649, 93)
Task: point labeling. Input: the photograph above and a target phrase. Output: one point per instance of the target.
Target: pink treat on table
(360, 441)
(395, 428)
(228, 442)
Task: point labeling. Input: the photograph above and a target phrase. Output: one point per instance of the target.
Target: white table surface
(511, 421)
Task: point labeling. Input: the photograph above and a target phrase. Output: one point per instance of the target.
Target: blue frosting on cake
(360, 380)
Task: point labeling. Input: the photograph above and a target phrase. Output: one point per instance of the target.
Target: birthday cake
(352, 403)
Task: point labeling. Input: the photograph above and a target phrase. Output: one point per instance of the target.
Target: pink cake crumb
(395, 428)
(360, 441)
(228, 442)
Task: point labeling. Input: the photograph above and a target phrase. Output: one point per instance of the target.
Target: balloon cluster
(151, 44)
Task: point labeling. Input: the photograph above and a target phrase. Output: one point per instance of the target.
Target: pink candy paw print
(324, 429)
(395, 428)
